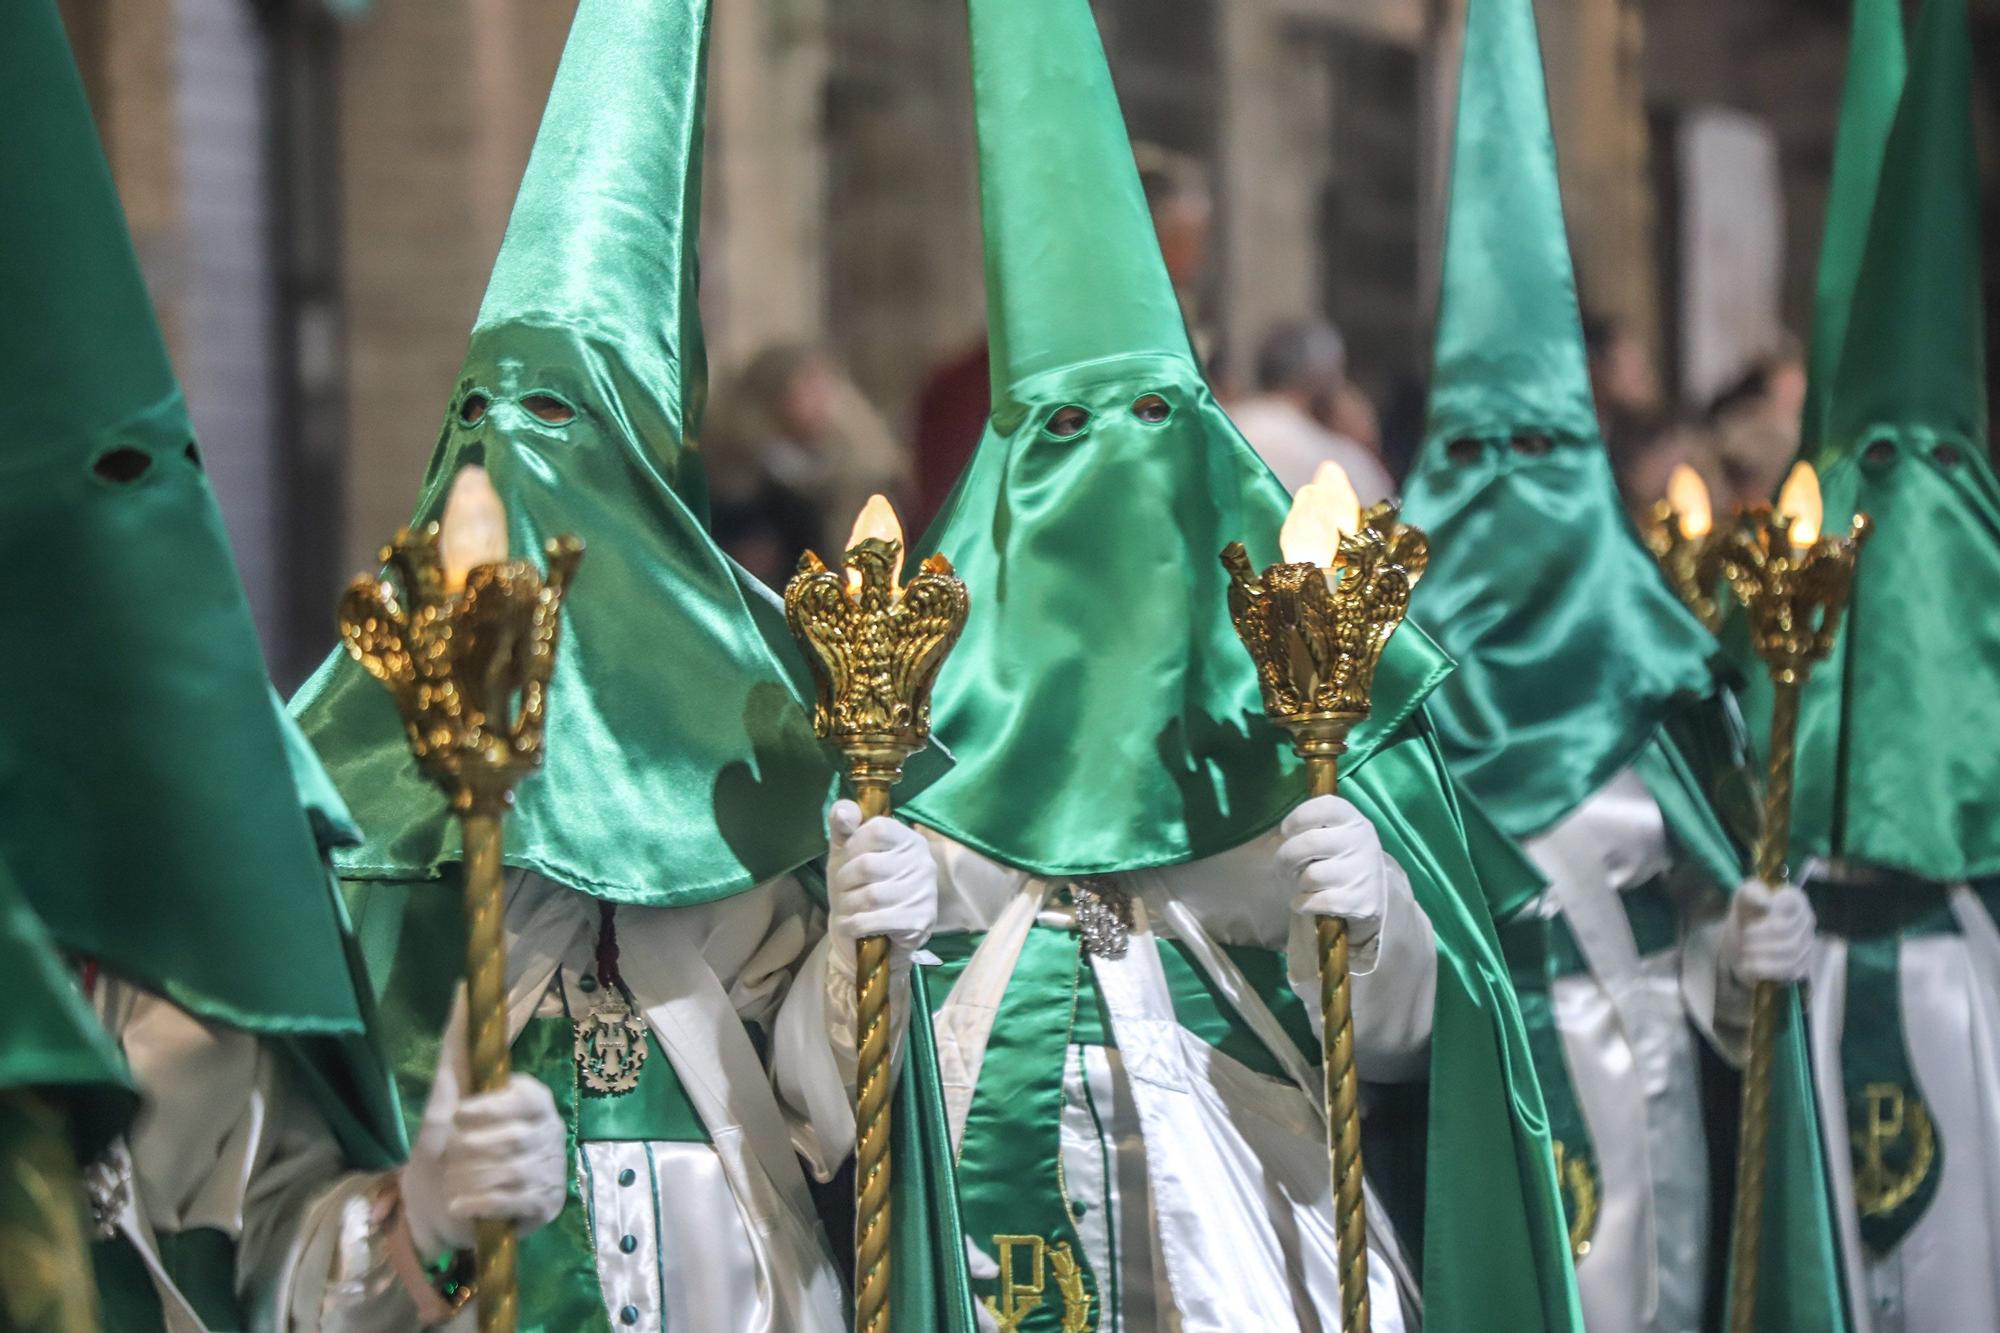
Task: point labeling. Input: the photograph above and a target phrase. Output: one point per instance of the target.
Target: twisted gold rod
(486, 1042)
(1752, 1149)
(1343, 1099)
(871, 1110)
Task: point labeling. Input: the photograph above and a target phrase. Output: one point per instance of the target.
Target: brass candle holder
(466, 648)
(875, 645)
(1315, 624)
(1681, 535)
(1794, 586)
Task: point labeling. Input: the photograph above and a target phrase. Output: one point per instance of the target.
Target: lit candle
(877, 519)
(1799, 504)
(473, 530)
(1687, 495)
(1325, 510)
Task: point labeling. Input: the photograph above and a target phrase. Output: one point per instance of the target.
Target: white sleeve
(225, 1141)
(1393, 984)
(814, 1049)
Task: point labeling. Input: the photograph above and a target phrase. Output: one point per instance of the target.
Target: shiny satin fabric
(1945, 1273)
(146, 808)
(681, 763)
(1874, 84)
(1571, 649)
(50, 1042)
(1570, 646)
(1495, 1248)
(1893, 768)
(1100, 712)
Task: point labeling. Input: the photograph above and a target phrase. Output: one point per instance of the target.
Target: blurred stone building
(319, 186)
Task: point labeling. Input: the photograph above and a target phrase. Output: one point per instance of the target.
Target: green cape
(145, 801)
(1895, 763)
(50, 1041)
(681, 762)
(1101, 714)
(1571, 647)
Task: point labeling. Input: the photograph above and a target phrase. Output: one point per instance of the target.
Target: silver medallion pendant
(611, 1044)
(1103, 917)
(107, 1184)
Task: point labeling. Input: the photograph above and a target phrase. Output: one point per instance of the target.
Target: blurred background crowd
(318, 188)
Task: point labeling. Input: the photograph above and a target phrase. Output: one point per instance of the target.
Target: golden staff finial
(1315, 625)
(466, 648)
(1794, 584)
(1681, 534)
(875, 645)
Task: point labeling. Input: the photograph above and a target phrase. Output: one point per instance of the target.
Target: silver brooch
(107, 1183)
(611, 1044)
(1103, 917)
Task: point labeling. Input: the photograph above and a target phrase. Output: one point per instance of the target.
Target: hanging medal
(611, 1038)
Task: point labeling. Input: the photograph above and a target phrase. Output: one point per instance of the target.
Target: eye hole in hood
(1067, 422)
(548, 409)
(472, 409)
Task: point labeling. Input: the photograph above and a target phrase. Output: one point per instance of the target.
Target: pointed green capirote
(1100, 713)
(681, 764)
(1571, 648)
(1073, 270)
(1867, 109)
(1894, 762)
(146, 808)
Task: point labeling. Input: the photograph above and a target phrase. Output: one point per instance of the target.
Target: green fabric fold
(146, 806)
(1099, 709)
(1893, 766)
(50, 1041)
(1570, 646)
(681, 764)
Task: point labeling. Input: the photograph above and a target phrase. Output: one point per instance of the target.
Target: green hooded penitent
(1571, 648)
(1895, 764)
(681, 764)
(1100, 712)
(1875, 68)
(1575, 659)
(146, 808)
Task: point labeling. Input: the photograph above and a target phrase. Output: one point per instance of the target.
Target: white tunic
(1208, 1200)
(716, 1237)
(1632, 1060)
(1945, 1275)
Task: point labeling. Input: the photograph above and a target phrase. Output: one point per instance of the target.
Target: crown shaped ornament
(468, 666)
(874, 643)
(1316, 628)
(1792, 583)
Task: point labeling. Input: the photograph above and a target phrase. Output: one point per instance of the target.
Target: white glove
(501, 1155)
(880, 880)
(1769, 933)
(1332, 854)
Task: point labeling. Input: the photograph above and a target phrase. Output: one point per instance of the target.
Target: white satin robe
(726, 1239)
(1632, 1059)
(1945, 1275)
(1207, 1181)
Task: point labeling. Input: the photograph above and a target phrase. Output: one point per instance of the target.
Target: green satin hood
(1895, 764)
(1100, 713)
(1875, 67)
(1571, 648)
(146, 806)
(681, 762)
(50, 1041)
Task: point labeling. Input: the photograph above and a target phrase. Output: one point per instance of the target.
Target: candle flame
(1687, 493)
(1325, 510)
(877, 519)
(1799, 503)
(473, 530)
